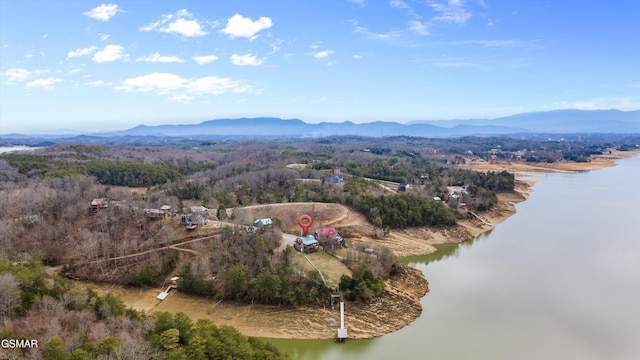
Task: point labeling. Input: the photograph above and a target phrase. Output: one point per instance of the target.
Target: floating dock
(163, 295)
(174, 285)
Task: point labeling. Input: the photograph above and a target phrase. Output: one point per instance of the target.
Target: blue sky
(94, 66)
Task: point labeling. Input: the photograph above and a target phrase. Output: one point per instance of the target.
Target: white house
(262, 222)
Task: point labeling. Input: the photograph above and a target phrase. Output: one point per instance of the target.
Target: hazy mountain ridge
(558, 121)
(550, 122)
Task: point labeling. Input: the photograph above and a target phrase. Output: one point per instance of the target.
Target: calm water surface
(558, 280)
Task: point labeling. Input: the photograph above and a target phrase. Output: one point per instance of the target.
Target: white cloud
(398, 4)
(357, 56)
(323, 54)
(275, 46)
(239, 26)
(451, 11)
(97, 83)
(624, 104)
(81, 52)
(489, 43)
(360, 3)
(104, 37)
(157, 58)
(215, 85)
(181, 89)
(110, 53)
(182, 98)
(103, 12)
(247, 59)
(390, 35)
(46, 84)
(205, 59)
(179, 23)
(14, 75)
(187, 28)
(161, 83)
(419, 27)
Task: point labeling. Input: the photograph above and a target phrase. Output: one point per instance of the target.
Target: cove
(560, 279)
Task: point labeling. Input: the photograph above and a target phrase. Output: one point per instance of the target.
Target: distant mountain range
(559, 121)
(551, 122)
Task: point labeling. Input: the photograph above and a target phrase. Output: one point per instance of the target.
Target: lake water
(558, 280)
(9, 149)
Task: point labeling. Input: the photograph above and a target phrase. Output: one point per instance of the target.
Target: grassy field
(332, 269)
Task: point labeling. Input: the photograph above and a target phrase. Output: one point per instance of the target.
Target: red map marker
(305, 222)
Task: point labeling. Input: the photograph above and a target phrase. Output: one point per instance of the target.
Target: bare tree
(9, 295)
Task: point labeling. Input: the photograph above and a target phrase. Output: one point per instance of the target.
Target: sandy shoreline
(397, 307)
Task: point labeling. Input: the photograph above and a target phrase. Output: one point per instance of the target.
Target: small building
(166, 209)
(403, 187)
(97, 204)
(260, 223)
(453, 201)
(333, 179)
(188, 219)
(155, 213)
(307, 244)
(329, 233)
(197, 209)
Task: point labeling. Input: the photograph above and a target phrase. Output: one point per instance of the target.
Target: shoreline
(397, 307)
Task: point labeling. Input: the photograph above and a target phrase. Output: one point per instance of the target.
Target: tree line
(108, 172)
(402, 210)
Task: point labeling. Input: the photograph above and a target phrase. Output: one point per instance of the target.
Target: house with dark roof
(403, 187)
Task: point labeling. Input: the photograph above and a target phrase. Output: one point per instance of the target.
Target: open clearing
(331, 268)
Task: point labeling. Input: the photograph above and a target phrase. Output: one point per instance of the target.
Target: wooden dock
(342, 334)
(480, 218)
